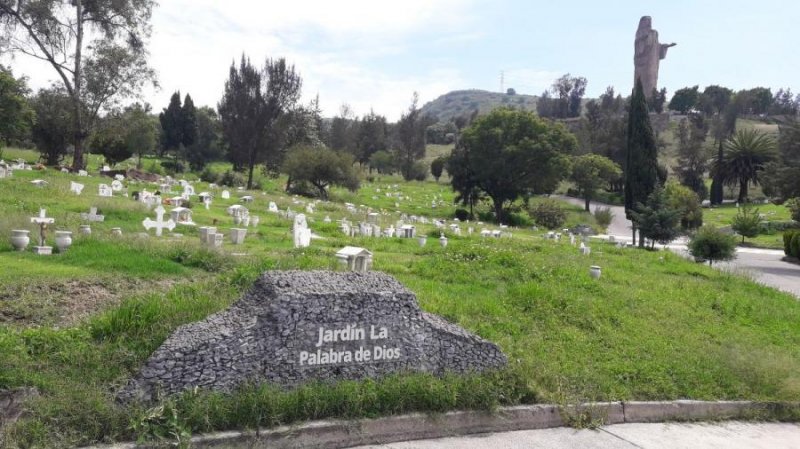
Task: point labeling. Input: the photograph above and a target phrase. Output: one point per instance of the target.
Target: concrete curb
(335, 434)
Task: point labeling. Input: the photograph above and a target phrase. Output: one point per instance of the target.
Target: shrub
(686, 201)
(437, 166)
(232, 179)
(788, 237)
(519, 219)
(462, 214)
(383, 162)
(549, 214)
(796, 245)
(747, 222)
(209, 176)
(418, 172)
(173, 167)
(794, 207)
(603, 216)
(711, 244)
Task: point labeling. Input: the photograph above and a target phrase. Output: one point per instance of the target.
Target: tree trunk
(77, 157)
(498, 210)
(588, 200)
(633, 240)
(743, 191)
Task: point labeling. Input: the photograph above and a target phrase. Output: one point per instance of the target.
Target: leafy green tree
(320, 167)
(109, 140)
(410, 138)
(747, 221)
(755, 101)
(206, 147)
(52, 130)
(508, 153)
(172, 127)
(188, 122)
(437, 165)
(692, 160)
(746, 155)
(382, 161)
(711, 244)
(97, 49)
(16, 114)
(569, 91)
(658, 99)
(590, 172)
(657, 221)
(142, 130)
(686, 202)
(782, 177)
(256, 110)
(723, 127)
(714, 99)
(683, 100)
(372, 136)
(641, 168)
(344, 131)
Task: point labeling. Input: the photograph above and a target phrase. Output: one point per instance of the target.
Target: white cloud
(336, 46)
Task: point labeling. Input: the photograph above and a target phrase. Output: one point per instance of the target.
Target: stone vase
(20, 239)
(254, 221)
(594, 272)
(443, 241)
(116, 231)
(422, 240)
(246, 221)
(63, 240)
(85, 230)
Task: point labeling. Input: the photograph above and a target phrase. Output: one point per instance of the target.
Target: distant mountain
(459, 102)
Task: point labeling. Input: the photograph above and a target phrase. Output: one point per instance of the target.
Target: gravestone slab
(299, 326)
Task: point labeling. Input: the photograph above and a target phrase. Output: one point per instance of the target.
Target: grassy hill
(461, 102)
(77, 325)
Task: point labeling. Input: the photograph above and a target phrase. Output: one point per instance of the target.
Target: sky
(374, 54)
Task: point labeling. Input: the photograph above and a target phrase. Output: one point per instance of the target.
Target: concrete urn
(85, 229)
(20, 239)
(422, 240)
(443, 241)
(595, 272)
(63, 240)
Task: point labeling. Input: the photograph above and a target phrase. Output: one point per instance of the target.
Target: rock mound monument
(296, 326)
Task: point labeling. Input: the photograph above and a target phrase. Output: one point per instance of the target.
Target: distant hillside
(458, 102)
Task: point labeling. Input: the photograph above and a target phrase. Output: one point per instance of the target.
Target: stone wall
(296, 326)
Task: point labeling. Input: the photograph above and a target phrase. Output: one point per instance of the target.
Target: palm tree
(746, 154)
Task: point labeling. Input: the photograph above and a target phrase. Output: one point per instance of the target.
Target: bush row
(791, 242)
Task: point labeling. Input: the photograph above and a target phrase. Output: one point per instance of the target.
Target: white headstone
(119, 177)
(92, 216)
(75, 187)
(273, 207)
(104, 190)
(159, 224)
(116, 185)
(302, 235)
(226, 195)
(83, 173)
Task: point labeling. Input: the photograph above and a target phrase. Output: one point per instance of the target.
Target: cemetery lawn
(722, 216)
(654, 327)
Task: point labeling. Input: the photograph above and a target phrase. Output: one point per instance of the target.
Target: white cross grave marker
(159, 223)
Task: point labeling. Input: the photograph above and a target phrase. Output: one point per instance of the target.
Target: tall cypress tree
(171, 120)
(641, 168)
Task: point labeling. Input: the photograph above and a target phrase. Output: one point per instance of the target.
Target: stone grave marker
(104, 190)
(302, 235)
(116, 185)
(355, 259)
(159, 224)
(238, 235)
(295, 327)
(273, 207)
(225, 195)
(92, 216)
(42, 220)
(76, 187)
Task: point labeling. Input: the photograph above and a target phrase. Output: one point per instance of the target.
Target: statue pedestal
(43, 250)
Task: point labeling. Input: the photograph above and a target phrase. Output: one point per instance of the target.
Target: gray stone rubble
(275, 333)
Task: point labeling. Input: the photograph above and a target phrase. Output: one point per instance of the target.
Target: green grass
(653, 327)
(722, 216)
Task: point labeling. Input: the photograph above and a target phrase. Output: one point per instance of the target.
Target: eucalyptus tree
(96, 48)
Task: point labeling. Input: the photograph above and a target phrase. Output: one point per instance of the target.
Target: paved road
(729, 435)
(763, 265)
